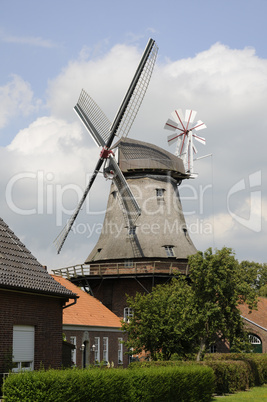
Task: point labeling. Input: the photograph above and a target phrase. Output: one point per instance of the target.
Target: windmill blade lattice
(131, 208)
(93, 118)
(137, 90)
(60, 239)
(184, 129)
(103, 134)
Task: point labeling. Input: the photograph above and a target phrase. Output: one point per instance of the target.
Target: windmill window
(169, 251)
(132, 231)
(160, 192)
(128, 264)
(114, 193)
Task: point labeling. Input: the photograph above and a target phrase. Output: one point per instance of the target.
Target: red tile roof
(88, 310)
(258, 316)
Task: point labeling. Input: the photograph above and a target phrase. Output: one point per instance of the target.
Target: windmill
(184, 135)
(104, 133)
(135, 251)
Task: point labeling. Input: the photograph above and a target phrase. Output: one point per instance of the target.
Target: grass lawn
(257, 394)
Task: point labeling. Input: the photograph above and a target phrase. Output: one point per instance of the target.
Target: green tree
(160, 324)
(187, 318)
(254, 274)
(218, 287)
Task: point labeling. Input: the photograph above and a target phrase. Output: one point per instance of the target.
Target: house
(93, 329)
(256, 323)
(31, 303)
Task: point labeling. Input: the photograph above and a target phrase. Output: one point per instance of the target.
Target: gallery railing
(126, 268)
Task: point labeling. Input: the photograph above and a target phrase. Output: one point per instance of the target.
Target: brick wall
(253, 329)
(44, 313)
(112, 292)
(89, 336)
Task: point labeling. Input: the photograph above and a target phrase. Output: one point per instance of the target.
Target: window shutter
(23, 343)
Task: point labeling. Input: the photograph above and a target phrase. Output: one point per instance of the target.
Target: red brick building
(31, 303)
(93, 329)
(256, 323)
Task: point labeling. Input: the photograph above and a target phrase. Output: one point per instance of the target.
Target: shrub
(230, 376)
(191, 383)
(256, 362)
(180, 383)
(233, 371)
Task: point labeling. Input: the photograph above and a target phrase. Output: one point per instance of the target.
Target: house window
(120, 351)
(169, 251)
(254, 340)
(73, 351)
(256, 343)
(97, 349)
(213, 348)
(105, 349)
(23, 347)
(127, 314)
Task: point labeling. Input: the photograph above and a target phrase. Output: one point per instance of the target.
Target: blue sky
(212, 58)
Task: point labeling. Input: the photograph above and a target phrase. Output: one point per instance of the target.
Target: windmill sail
(60, 240)
(132, 101)
(131, 207)
(93, 118)
(103, 134)
(184, 134)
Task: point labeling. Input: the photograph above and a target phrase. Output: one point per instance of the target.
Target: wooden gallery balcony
(126, 269)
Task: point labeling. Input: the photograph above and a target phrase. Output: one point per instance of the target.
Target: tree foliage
(218, 287)
(185, 317)
(255, 274)
(160, 322)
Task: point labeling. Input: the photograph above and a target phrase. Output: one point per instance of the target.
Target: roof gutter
(254, 323)
(71, 304)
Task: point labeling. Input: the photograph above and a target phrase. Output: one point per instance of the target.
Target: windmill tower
(144, 239)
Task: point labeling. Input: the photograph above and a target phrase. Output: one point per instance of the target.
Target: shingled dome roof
(20, 270)
(139, 156)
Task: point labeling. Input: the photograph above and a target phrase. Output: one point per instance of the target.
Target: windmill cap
(139, 156)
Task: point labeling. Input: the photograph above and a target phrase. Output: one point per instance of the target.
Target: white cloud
(105, 78)
(16, 98)
(226, 86)
(26, 40)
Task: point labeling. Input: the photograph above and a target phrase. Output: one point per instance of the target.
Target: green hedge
(257, 364)
(231, 375)
(190, 383)
(233, 371)
(180, 383)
